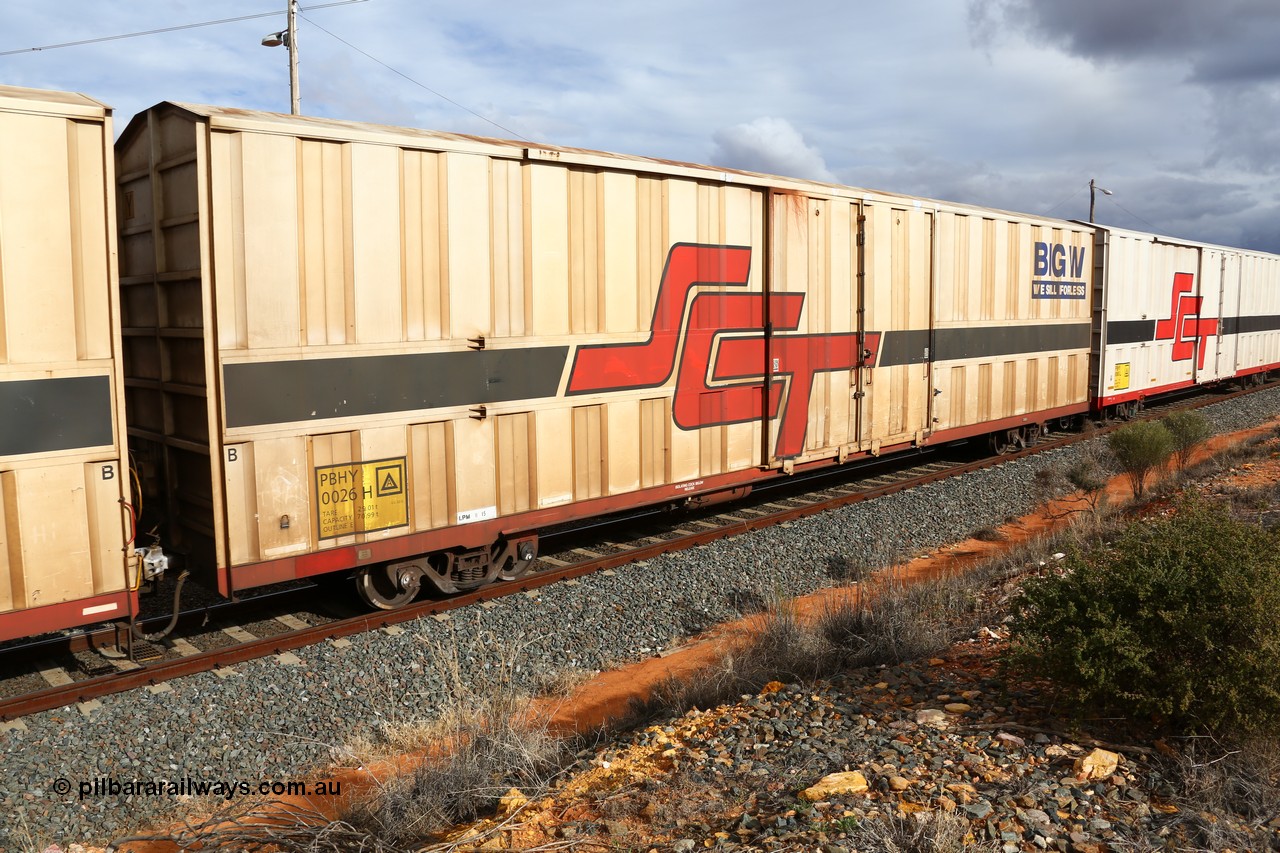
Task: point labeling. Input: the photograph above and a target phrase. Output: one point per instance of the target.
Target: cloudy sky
(1174, 105)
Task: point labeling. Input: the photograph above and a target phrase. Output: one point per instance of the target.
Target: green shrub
(1140, 448)
(1177, 620)
(1188, 430)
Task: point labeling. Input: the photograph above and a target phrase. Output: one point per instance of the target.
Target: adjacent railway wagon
(1176, 313)
(63, 521)
(402, 352)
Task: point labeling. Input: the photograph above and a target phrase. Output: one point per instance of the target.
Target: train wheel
(388, 587)
(1004, 442)
(516, 564)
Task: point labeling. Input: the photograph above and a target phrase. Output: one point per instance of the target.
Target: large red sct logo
(722, 338)
(1184, 325)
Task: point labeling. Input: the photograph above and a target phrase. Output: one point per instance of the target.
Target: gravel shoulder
(936, 755)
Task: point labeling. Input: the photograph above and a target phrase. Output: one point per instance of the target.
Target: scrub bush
(1174, 621)
(1139, 449)
(1189, 430)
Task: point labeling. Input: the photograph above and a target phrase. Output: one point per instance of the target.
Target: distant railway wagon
(63, 487)
(1176, 313)
(396, 355)
(402, 352)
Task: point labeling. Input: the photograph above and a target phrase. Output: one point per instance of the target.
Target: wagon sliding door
(1205, 327)
(815, 343)
(898, 316)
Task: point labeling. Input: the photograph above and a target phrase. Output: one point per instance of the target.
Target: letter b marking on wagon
(720, 338)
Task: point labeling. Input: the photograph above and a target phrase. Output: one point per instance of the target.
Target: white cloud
(769, 145)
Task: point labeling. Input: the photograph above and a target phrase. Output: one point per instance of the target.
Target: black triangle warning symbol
(389, 479)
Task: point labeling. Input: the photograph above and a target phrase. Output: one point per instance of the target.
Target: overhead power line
(1130, 212)
(333, 35)
(1064, 201)
(169, 29)
(415, 82)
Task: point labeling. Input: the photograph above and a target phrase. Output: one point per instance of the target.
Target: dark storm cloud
(1230, 49)
(1246, 125)
(1225, 41)
(1096, 29)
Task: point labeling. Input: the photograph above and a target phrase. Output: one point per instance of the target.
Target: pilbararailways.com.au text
(108, 786)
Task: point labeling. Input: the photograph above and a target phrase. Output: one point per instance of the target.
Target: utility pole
(292, 44)
(289, 38)
(1094, 189)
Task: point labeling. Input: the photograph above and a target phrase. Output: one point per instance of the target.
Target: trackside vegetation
(1174, 621)
(1188, 429)
(1140, 449)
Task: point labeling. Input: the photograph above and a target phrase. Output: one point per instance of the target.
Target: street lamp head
(1094, 189)
(276, 39)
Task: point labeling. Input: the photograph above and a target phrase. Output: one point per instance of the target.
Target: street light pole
(292, 44)
(1093, 190)
(289, 38)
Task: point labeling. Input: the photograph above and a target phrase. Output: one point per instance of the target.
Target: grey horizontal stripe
(1130, 332)
(274, 392)
(1245, 325)
(44, 415)
(911, 347)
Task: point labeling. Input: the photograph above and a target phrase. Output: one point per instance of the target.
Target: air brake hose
(173, 620)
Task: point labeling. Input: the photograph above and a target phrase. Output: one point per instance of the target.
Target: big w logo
(717, 345)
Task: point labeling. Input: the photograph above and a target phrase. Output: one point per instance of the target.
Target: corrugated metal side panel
(62, 532)
(1143, 354)
(590, 464)
(1255, 280)
(899, 275)
(324, 249)
(1228, 360)
(815, 255)
(986, 294)
(55, 299)
(1208, 361)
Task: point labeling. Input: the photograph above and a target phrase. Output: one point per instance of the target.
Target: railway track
(84, 666)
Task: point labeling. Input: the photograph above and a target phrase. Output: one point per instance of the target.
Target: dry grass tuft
(1226, 793)
(921, 832)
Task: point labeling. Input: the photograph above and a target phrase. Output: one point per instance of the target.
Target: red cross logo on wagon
(1184, 326)
(720, 338)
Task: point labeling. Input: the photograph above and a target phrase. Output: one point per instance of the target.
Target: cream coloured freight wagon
(1175, 313)
(63, 522)
(402, 352)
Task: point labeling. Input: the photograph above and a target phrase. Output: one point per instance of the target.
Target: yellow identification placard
(360, 497)
(1122, 376)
